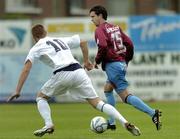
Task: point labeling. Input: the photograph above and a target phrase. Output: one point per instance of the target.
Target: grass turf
(18, 121)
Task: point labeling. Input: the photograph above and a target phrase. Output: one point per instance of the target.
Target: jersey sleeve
(101, 41)
(33, 55)
(127, 42)
(73, 41)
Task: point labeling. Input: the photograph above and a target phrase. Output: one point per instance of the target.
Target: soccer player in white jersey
(67, 74)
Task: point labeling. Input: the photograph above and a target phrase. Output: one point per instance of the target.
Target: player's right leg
(45, 112)
(84, 89)
(111, 111)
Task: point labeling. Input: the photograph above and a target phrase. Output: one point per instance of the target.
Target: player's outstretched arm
(24, 74)
(87, 63)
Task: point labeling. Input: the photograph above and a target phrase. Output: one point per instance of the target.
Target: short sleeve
(32, 55)
(74, 41)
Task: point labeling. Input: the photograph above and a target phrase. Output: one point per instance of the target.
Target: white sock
(111, 111)
(44, 110)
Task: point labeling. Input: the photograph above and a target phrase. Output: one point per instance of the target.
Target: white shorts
(77, 81)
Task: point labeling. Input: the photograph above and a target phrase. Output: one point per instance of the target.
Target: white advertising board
(155, 76)
(15, 36)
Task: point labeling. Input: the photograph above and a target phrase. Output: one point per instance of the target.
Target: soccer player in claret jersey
(67, 74)
(115, 50)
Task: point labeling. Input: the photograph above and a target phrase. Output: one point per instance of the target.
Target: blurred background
(153, 25)
(35, 9)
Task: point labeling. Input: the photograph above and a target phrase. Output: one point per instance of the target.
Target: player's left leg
(136, 102)
(156, 119)
(116, 72)
(142, 106)
(108, 91)
(49, 89)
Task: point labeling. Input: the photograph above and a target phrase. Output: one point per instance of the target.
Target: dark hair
(38, 31)
(99, 10)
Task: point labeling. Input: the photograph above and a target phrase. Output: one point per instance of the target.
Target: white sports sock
(44, 110)
(111, 111)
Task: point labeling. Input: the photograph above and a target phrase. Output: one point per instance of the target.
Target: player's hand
(13, 96)
(96, 66)
(88, 65)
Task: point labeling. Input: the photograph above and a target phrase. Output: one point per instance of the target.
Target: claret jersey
(54, 52)
(111, 42)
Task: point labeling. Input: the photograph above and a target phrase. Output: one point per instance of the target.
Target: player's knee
(39, 98)
(40, 94)
(94, 102)
(108, 87)
(126, 98)
(124, 95)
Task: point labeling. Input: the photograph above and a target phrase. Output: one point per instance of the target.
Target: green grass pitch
(18, 121)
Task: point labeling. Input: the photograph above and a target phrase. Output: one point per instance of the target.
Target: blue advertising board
(155, 33)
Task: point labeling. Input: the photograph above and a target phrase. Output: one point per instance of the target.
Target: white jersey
(54, 52)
